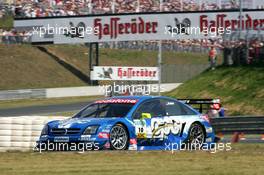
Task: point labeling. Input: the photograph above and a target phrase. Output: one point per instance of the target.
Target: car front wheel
(118, 137)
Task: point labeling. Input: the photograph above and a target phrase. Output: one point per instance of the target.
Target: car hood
(80, 122)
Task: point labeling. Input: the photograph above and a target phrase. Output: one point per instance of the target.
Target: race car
(132, 123)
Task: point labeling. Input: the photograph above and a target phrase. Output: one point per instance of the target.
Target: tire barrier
(21, 133)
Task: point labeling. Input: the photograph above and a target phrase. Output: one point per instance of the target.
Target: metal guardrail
(22, 94)
(65, 92)
(242, 124)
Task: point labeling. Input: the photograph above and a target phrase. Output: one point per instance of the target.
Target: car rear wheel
(118, 137)
(196, 136)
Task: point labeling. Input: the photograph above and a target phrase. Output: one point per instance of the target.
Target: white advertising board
(125, 73)
(140, 26)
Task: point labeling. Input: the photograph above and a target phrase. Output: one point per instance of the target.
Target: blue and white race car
(133, 123)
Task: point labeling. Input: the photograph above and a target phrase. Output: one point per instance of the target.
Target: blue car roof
(133, 97)
(140, 98)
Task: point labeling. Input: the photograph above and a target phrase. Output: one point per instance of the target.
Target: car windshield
(105, 110)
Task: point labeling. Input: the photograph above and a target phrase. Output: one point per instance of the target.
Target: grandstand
(42, 8)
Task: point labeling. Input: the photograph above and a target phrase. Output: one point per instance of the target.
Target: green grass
(23, 66)
(77, 55)
(241, 89)
(6, 22)
(243, 159)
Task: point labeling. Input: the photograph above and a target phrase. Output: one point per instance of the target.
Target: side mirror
(145, 115)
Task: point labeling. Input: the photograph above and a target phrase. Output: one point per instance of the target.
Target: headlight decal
(90, 130)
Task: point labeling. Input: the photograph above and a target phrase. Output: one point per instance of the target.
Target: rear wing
(201, 104)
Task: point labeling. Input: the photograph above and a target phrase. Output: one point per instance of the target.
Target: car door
(177, 115)
(144, 115)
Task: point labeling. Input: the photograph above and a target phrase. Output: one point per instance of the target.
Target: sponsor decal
(124, 73)
(162, 127)
(115, 27)
(133, 72)
(61, 139)
(223, 21)
(75, 32)
(106, 73)
(133, 141)
(117, 101)
(209, 130)
(180, 27)
(209, 139)
(141, 135)
(132, 147)
(139, 122)
(86, 138)
(132, 144)
(107, 128)
(103, 135)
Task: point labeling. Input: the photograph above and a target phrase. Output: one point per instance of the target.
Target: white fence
(21, 133)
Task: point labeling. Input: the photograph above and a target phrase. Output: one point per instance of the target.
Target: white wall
(67, 92)
(93, 90)
(73, 92)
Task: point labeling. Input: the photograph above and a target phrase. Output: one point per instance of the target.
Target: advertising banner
(125, 73)
(140, 26)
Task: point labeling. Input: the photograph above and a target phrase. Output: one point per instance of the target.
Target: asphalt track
(42, 110)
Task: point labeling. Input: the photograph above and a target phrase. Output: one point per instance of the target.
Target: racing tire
(196, 136)
(118, 137)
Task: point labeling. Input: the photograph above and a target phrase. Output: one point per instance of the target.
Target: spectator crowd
(14, 37)
(43, 8)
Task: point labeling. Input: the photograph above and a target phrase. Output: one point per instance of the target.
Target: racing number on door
(140, 130)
